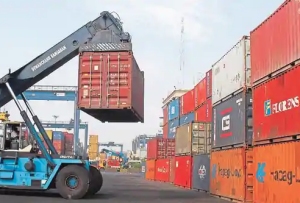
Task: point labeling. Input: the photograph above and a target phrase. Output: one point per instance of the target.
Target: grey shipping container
(232, 122)
(143, 168)
(193, 138)
(201, 169)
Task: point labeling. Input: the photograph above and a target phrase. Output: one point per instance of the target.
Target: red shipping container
(111, 86)
(183, 171)
(162, 172)
(172, 169)
(69, 137)
(200, 92)
(209, 83)
(276, 107)
(187, 102)
(204, 112)
(156, 148)
(165, 130)
(170, 147)
(165, 115)
(275, 42)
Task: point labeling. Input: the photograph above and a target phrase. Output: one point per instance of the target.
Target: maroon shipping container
(187, 102)
(170, 147)
(69, 137)
(172, 169)
(275, 42)
(209, 83)
(276, 107)
(156, 148)
(183, 171)
(111, 86)
(165, 115)
(200, 93)
(162, 172)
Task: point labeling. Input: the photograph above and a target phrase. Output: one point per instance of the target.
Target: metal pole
(55, 117)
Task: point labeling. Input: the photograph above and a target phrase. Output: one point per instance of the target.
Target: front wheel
(96, 181)
(72, 182)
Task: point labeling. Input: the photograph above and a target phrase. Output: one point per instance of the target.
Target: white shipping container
(232, 72)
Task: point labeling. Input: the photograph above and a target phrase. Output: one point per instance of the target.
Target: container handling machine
(22, 167)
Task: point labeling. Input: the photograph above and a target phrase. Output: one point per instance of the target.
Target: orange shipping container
(231, 174)
(150, 169)
(277, 172)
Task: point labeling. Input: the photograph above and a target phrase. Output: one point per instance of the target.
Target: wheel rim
(72, 182)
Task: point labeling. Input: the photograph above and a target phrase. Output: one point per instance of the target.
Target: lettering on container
(226, 123)
(202, 172)
(162, 170)
(260, 172)
(48, 58)
(172, 110)
(215, 122)
(285, 176)
(227, 172)
(281, 106)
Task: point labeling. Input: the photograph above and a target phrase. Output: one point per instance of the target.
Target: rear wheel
(96, 181)
(72, 182)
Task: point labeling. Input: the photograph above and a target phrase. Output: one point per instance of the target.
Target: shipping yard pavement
(123, 188)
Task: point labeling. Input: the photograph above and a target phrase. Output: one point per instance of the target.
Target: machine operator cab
(12, 137)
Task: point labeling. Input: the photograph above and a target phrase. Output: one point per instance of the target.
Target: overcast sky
(30, 27)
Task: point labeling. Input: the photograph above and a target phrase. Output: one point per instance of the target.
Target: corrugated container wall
(201, 169)
(183, 171)
(165, 114)
(150, 169)
(232, 72)
(204, 112)
(231, 174)
(172, 169)
(187, 118)
(277, 173)
(165, 130)
(162, 172)
(200, 92)
(174, 109)
(276, 107)
(156, 148)
(209, 83)
(232, 122)
(275, 42)
(193, 138)
(187, 102)
(111, 86)
(170, 152)
(93, 139)
(172, 127)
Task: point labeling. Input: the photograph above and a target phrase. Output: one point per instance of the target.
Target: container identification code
(48, 58)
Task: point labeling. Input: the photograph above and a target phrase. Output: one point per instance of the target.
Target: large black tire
(79, 175)
(96, 181)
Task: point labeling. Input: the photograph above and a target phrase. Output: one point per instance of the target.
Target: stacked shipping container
(275, 77)
(232, 125)
(93, 147)
(69, 143)
(58, 140)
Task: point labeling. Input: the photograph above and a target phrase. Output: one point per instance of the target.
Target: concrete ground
(118, 187)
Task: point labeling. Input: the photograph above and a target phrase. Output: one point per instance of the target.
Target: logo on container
(281, 106)
(214, 171)
(172, 110)
(260, 172)
(202, 172)
(225, 123)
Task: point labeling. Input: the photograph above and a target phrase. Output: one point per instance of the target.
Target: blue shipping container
(173, 109)
(172, 127)
(58, 135)
(188, 118)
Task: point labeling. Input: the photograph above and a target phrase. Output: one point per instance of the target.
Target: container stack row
(93, 149)
(252, 156)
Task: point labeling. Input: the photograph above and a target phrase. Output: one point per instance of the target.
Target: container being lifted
(110, 83)
(72, 176)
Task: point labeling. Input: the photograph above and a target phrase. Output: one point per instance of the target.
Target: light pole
(55, 117)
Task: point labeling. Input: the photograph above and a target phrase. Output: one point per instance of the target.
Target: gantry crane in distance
(72, 176)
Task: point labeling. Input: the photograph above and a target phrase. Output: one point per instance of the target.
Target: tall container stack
(231, 157)
(93, 147)
(173, 116)
(202, 133)
(58, 141)
(275, 77)
(69, 143)
(156, 150)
